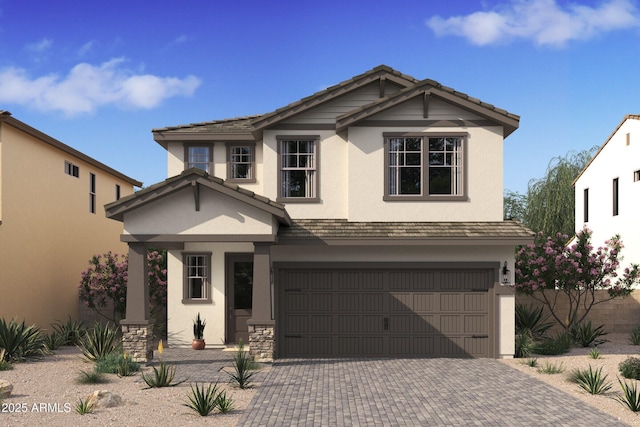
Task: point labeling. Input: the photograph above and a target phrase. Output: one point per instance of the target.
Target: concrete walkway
(411, 392)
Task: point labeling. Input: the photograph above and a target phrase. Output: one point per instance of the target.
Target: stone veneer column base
(262, 342)
(137, 341)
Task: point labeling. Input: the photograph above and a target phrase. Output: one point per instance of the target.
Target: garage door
(384, 312)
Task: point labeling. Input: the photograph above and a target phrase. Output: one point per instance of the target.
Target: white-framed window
(241, 162)
(199, 156)
(197, 277)
(298, 164)
(424, 166)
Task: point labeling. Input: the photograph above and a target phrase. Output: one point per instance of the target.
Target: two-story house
(363, 220)
(51, 222)
(607, 191)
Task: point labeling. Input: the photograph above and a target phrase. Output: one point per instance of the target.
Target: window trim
(585, 205)
(615, 196)
(185, 280)
(316, 142)
(425, 175)
(252, 175)
(71, 169)
(192, 145)
(92, 193)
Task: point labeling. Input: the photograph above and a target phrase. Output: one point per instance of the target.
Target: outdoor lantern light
(506, 273)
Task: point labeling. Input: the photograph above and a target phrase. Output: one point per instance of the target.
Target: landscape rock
(5, 389)
(104, 399)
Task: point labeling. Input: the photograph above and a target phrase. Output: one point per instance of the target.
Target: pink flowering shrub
(549, 267)
(106, 281)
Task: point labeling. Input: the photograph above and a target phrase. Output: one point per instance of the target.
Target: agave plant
(21, 341)
(99, 341)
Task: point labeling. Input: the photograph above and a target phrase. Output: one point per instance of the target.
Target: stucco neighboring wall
(48, 235)
(615, 160)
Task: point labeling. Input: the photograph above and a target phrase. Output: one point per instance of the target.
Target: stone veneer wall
(137, 341)
(262, 342)
(619, 315)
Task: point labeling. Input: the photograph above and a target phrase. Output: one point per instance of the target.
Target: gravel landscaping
(45, 392)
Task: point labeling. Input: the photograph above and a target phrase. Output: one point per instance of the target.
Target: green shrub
(560, 344)
(532, 319)
(532, 362)
(224, 403)
(53, 341)
(83, 406)
(21, 341)
(524, 344)
(630, 396)
(634, 337)
(243, 365)
(585, 335)
(551, 368)
(591, 380)
(100, 341)
(117, 363)
(162, 376)
(5, 366)
(203, 401)
(594, 353)
(91, 377)
(71, 331)
(630, 368)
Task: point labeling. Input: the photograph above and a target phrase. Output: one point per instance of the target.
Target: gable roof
(250, 128)
(627, 117)
(6, 117)
(191, 178)
(428, 88)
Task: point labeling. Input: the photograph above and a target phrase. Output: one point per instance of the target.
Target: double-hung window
(298, 168)
(199, 156)
(197, 278)
(241, 162)
(424, 167)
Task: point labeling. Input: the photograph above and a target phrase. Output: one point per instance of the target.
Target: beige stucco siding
(180, 325)
(175, 158)
(366, 179)
(48, 235)
(219, 214)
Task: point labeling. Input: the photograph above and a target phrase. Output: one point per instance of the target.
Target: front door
(239, 296)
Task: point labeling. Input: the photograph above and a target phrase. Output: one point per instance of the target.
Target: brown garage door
(376, 312)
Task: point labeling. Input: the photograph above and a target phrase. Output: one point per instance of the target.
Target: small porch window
(197, 278)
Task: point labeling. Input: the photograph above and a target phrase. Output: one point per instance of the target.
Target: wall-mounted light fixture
(506, 274)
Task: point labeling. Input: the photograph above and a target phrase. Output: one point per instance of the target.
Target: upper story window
(585, 205)
(117, 191)
(92, 193)
(298, 168)
(636, 176)
(424, 167)
(199, 156)
(241, 162)
(615, 196)
(71, 169)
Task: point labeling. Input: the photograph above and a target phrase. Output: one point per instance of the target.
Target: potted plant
(198, 332)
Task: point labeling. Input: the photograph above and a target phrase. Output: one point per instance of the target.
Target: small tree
(548, 268)
(106, 281)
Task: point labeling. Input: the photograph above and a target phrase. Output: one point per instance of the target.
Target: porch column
(262, 325)
(137, 327)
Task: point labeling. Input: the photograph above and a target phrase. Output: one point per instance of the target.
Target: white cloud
(88, 87)
(40, 46)
(542, 21)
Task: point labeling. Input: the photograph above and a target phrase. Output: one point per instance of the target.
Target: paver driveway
(411, 392)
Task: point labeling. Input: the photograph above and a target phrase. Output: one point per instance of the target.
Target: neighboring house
(364, 220)
(608, 190)
(51, 222)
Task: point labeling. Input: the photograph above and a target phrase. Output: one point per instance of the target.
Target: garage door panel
(385, 313)
(475, 324)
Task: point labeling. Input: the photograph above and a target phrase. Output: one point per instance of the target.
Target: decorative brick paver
(411, 392)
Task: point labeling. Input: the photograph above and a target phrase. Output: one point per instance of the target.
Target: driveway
(411, 392)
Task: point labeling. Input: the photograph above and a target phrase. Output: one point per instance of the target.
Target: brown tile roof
(304, 229)
(236, 124)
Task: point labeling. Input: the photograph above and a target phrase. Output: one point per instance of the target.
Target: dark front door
(239, 296)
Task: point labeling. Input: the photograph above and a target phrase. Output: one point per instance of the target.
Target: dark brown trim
(406, 241)
(252, 177)
(389, 265)
(185, 238)
(186, 155)
(316, 139)
(185, 283)
(164, 138)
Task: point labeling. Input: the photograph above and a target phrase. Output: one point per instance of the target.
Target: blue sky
(99, 76)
